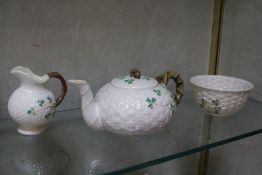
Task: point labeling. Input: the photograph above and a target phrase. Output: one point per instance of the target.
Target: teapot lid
(134, 81)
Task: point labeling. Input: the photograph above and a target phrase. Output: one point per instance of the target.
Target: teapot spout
(85, 92)
(90, 109)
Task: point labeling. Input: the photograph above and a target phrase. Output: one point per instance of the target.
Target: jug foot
(31, 131)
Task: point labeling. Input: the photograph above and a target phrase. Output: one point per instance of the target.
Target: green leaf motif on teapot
(40, 102)
(151, 102)
(145, 78)
(31, 111)
(157, 91)
(129, 81)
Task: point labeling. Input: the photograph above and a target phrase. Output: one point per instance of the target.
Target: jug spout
(26, 76)
(90, 109)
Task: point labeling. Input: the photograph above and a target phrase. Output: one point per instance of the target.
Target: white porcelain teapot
(131, 105)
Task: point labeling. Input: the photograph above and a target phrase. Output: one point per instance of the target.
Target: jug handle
(164, 79)
(60, 98)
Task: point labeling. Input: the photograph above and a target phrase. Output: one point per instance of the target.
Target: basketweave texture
(31, 107)
(220, 95)
(137, 112)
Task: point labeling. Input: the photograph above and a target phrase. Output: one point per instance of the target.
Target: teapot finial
(135, 73)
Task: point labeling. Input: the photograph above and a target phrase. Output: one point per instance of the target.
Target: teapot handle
(164, 79)
(60, 98)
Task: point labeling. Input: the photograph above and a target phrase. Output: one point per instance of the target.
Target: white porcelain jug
(31, 105)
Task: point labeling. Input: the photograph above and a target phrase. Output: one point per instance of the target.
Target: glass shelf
(71, 148)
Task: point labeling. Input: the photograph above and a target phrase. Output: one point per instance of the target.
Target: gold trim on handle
(164, 79)
(63, 89)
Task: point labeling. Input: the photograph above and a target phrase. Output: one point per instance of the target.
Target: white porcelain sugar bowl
(219, 95)
(32, 105)
(131, 105)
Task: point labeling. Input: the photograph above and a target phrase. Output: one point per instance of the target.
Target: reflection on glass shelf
(241, 157)
(40, 155)
(244, 121)
(82, 150)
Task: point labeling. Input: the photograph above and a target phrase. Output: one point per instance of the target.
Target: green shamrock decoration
(49, 115)
(203, 103)
(50, 100)
(157, 91)
(216, 108)
(215, 102)
(40, 102)
(129, 81)
(145, 78)
(31, 111)
(151, 102)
